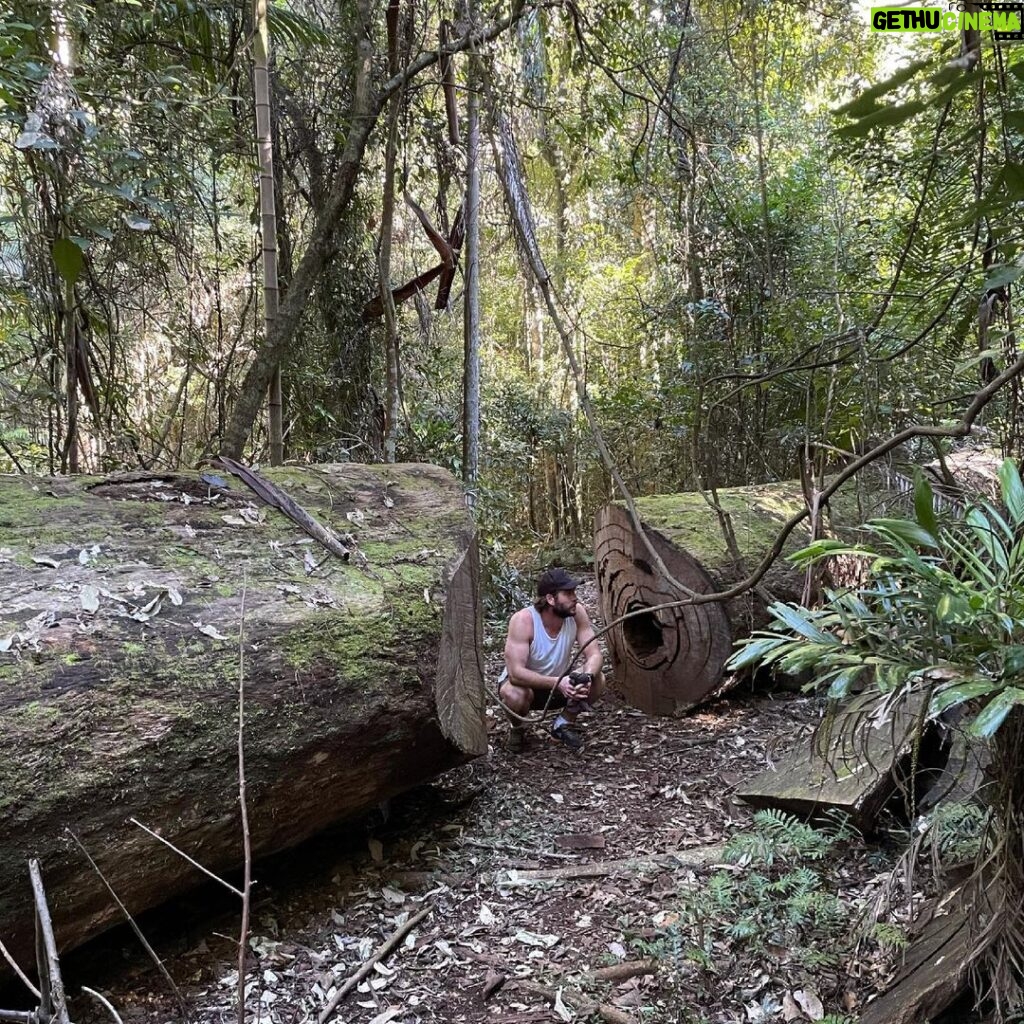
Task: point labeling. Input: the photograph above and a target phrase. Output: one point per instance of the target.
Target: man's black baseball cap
(554, 580)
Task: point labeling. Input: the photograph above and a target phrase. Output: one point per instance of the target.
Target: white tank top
(550, 656)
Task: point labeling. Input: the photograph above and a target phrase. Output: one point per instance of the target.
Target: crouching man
(538, 653)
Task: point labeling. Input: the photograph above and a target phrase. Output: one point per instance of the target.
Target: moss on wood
(131, 709)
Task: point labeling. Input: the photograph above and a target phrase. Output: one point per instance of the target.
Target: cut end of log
(665, 661)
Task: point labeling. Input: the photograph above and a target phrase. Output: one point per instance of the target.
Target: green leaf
(994, 713)
(753, 652)
(798, 620)
(1013, 660)
(1015, 120)
(1012, 490)
(924, 505)
(68, 259)
(959, 693)
(886, 117)
(904, 530)
(843, 681)
(1001, 276)
(865, 103)
(1011, 181)
(952, 608)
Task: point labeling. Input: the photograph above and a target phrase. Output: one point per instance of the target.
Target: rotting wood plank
(938, 962)
(853, 764)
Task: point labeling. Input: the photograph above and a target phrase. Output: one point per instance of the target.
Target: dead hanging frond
(510, 168)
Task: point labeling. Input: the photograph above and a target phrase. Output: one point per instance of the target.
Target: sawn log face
(665, 661)
(121, 607)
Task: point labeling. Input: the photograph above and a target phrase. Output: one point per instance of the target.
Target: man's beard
(564, 613)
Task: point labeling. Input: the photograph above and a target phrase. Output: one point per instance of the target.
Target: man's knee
(516, 698)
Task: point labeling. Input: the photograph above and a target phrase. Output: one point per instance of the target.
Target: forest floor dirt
(630, 829)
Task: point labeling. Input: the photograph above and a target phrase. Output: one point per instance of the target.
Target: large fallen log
(668, 661)
(121, 610)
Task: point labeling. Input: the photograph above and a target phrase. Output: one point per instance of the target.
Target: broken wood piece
(852, 765)
(937, 965)
(696, 857)
(580, 841)
(381, 953)
(53, 1005)
(275, 497)
(627, 969)
(582, 1003)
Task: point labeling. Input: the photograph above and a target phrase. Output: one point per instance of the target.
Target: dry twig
(608, 1013)
(378, 954)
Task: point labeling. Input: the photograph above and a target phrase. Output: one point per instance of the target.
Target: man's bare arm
(517, 651)
(592, 656)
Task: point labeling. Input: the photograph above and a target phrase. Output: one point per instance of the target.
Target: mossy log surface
(667, 662)
(122, 603)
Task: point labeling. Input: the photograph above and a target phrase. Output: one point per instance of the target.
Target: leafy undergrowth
(759, 930)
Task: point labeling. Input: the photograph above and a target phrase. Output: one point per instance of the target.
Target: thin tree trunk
(387, 222)
(268, 218)
(471, 366)
(71, 370)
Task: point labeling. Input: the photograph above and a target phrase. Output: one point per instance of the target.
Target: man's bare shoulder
(520, 626)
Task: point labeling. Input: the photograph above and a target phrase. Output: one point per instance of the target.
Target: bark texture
(120, 614)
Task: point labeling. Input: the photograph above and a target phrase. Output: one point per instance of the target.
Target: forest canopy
(774, 237)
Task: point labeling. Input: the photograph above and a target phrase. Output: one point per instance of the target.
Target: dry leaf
(533, 939)
(486, 915)
(393, 895)
(561, 1009)
(210, 631)
(376, 850)
(492, 983)
(46, 560)
(809, 1003)
(390, 1014)
(90, 598)
(790, 1011)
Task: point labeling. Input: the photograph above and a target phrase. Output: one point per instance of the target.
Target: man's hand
(571, 687)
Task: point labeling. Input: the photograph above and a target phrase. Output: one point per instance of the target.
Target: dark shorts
(540, 698)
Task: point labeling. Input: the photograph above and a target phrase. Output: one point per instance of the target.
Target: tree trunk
(122, 608)
(471, 324)
(268, 216)
(669, 661)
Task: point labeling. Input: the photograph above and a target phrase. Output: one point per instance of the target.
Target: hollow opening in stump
(643, 634)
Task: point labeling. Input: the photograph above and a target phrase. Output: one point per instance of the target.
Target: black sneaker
(516, 740)
(568, 735)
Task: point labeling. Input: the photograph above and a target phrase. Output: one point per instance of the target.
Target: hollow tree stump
(121, 613)
(670, 660)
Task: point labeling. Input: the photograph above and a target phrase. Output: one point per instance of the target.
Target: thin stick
(106, 1002)
(582, 1003)
(135, 928)
(246, 840)
(19, 972)
(181, 853)
(49, 944)
(381, 953)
